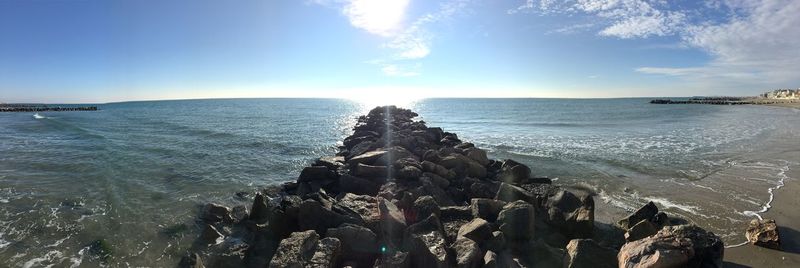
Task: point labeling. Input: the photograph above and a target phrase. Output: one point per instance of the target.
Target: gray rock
(456, 212)
(496, 242)
(366, 158)
(296, 250)
(434, 168)
(477, 230)
(365, 206)
(573, 216)
(393, 222)
(437, 180)
(214, 213)
(647, 212)
(210, 235)
(260, 211)
(478, 155)
(330, 162)
(397, 260)
(674, 246)
(587, 253)
(409, 173)
(326, 254)
(517, 220)
(314, 173)
(239, 213)
(467, 253)
(191, 261)
(641, 230)
(426, 244)
(424, 207)
(314, 216)
(487, 209)
(511, 193)
(490, 259)
(356, 185)
(359, 244)
(514, 172)
(368, 171)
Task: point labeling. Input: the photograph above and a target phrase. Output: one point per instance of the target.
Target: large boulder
(393, 222)
(366, 158)
(424, 207)
(477, 230)
(514, 172)
(587, 253)
(315, 216)
(478, 155)
(260, 211)
(305, 249)
(369, 171)
(517, 220)
(426, 244)
(359, 244)
(641, 230)
(437, 169)
(314, 173)
(356, 185)
(764, 233)
(485, 208)
(674, 246)
(647, 212)
(573, 216)
(511, 193)
(214, 213)
(393, 154)
(467, 253)
(364, 205)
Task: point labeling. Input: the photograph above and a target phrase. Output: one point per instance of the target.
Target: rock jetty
(402, 194)
(43, 108)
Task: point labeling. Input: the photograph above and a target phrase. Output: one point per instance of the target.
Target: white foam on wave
(38, 116)
(669, 204)
(781, 182)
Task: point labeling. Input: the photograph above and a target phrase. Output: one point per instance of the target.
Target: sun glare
(372, 99)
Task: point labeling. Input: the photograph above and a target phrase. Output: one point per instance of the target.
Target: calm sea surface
(131, 172)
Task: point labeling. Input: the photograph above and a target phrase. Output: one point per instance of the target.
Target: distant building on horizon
(782, 94)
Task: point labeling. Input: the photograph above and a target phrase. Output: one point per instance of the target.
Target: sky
(69, 51)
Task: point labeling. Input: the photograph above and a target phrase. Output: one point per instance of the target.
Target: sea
(132, 177)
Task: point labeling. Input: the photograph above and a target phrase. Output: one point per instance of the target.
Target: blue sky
(102, 51)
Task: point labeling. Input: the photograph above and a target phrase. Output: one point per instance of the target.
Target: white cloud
(751, 42)
(382, 17)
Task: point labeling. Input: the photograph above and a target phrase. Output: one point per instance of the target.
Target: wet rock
(467, 253)
(426, 244)
(210, 235)
(514, 172)
(587, 253)
(368, 171)
(99, 250)
(239, 213)
(424, 207)
(478, 155)
(487, 209)
(359, 244)
(517, 220)
(674, 246)
(647, 212)
(192, 260)
(764, 233)
(393, 222)
(511, 193)
(214, 213)
(356, 185)
(573, 216)
(477, 230)
(314, 173)
(641, 230)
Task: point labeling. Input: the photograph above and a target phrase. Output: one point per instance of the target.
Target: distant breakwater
(402, 194)
(43, 108)
(725, 101)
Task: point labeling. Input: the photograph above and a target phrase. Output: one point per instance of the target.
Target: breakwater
(402, 194)
(725, 101)
(43, 108)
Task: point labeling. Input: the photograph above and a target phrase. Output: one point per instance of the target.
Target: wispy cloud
(408, 39)
(750, 41)
(377, 17)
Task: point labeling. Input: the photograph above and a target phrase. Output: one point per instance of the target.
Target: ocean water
(132, 173)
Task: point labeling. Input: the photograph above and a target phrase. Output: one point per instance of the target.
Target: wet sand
(785, 211)
(793, 104)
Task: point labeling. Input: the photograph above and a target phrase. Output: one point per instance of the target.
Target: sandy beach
(784, 211)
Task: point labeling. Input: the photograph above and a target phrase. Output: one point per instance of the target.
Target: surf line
(768, 205)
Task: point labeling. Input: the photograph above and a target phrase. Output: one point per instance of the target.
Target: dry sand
(786, 213)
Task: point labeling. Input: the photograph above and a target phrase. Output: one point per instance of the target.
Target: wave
(781, 182)
(38, 116)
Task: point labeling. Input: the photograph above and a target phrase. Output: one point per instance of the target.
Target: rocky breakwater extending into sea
(402, 194)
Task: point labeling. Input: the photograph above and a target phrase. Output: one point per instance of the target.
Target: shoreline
(784, 212)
